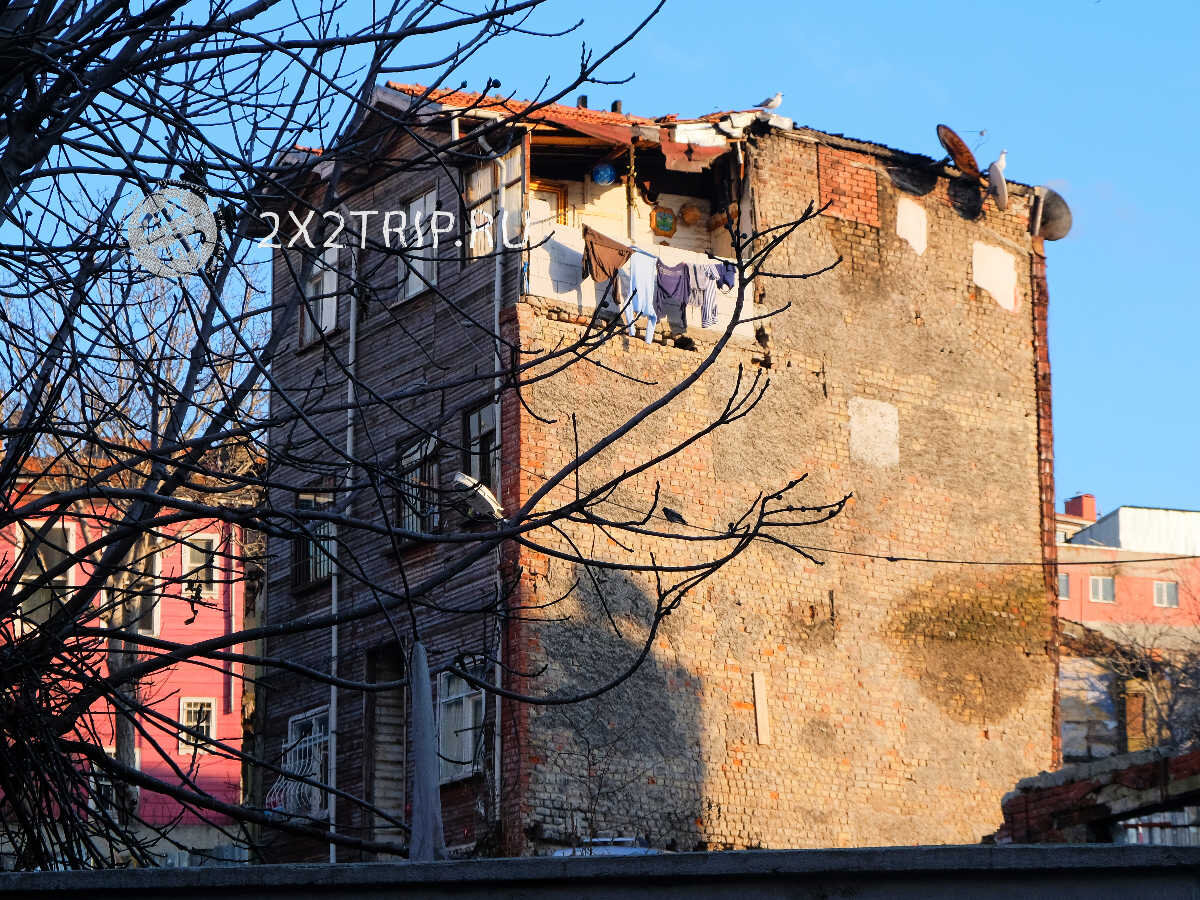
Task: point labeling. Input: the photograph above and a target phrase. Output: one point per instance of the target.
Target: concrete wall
(904, 699)
(1055, 873)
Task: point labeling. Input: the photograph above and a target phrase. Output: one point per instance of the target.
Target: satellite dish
(1055, 216)
(997, 186)
(958, 150)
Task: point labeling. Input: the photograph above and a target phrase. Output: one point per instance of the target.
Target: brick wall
(1080, 803)
(904, 698)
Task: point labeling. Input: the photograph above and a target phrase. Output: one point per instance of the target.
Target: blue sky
(1096, 99)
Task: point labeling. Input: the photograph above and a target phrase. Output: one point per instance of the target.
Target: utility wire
(887, 557)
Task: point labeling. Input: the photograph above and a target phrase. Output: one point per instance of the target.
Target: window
(1102, 589)
(460, 726)
(483, 199)
(479, 445)
(196, 717)
(145, 596)
(312, 553)
(319, 314)
(416, 269)
(306, 755)
(1064, 586)
(1166, 593)
(51, 549)
(1062, 537)
(417, 491)
(200, 567)
(104, 791)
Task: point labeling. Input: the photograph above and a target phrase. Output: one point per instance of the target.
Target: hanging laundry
(602, 257)
(704, 292)
(643, 278)
(726, 274)
(673, 288)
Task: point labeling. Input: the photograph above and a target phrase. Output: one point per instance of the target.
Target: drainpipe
(334, 580)
(497, 292)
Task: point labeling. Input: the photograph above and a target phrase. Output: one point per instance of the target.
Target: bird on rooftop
(771, 102)
(1001, 161)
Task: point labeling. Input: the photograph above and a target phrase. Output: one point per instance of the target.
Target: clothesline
(655, 286)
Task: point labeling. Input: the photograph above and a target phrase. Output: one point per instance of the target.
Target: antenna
(959, 151)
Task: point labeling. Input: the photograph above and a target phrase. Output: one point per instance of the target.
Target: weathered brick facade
(904, 698)
(865, 700)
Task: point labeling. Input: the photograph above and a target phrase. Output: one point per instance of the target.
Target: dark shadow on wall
(627, 763)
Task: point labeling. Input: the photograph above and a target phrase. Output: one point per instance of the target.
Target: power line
(887, 557)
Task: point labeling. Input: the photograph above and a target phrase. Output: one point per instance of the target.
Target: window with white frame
(1064, 585)
(200, 566)
(416, 264)
(197, 715)
(479, 445)
(144, 603)
(460, 726)
(1166, 594)
(312, 559)
(488, 190)
(48, 549)
(319, 312)
(417, 482)
(1102, 589)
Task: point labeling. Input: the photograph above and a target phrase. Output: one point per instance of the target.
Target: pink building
(1147, 587)
(194, 589)
(1129, 579)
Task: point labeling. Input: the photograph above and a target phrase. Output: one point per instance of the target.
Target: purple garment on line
(726, 274)
(673, 287)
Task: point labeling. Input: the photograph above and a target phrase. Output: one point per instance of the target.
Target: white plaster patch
(911, 223)
(874, 432)
(995, 271)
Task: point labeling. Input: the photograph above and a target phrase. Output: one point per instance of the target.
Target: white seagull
(771, 102)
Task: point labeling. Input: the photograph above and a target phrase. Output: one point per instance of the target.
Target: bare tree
(135, 404)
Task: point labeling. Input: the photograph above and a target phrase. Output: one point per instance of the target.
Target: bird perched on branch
(771, 102)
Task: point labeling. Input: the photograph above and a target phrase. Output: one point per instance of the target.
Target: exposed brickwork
(904, 698)
(1079, 803)
(848, 185)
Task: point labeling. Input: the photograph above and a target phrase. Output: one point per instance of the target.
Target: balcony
(554, 273)
(306, 758)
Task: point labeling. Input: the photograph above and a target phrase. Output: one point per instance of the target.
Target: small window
(1166, 594)
(1064, 586)
(200, 567)
(196, 715)
(417, 493)
(50, 550)
(312, 553)
(484, 197)
(1102, 590)
(145, 596)
(319, 314)
(479, 445)
(1062, 537)
(416, 268)
(460, 727)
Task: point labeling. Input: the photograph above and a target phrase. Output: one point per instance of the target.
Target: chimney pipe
(616, 106)
(1083, 506)
(582, 102)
